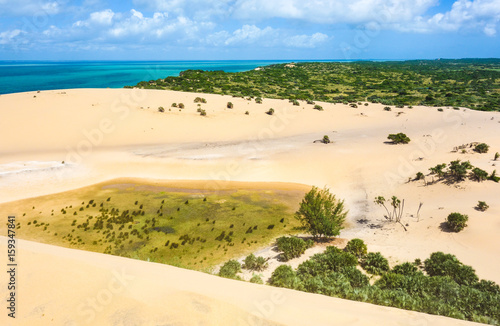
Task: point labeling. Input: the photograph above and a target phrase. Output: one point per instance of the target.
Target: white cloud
(104, 17)
(464, 14)
(333, 11)
(30, 7)
(306, 41)
(8, 37)
(249, 34)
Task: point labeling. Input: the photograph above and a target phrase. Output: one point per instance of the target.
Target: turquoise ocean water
(24, 76)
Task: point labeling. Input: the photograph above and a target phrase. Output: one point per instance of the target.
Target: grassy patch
(189, 228)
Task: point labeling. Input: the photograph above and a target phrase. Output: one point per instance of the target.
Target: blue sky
(248, 29)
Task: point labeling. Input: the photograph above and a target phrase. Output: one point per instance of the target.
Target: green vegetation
(357, 247)
(375, 263)
(292, 247)
(482, 148)
(399, 138)
(457, 222)
(196, 229)
(270, 111)
(448, 288)
(482, 206)
(229, 105)
(161, 109)
(326, 140)
(256, 279)
(497, 156)
(458, 171)
(255, 263)
(230, 269)
(472, 83)
(321, 213)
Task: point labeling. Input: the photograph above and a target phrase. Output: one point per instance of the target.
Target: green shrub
(457, 170)
(247, 113)
(440, 264)
(230, 269)
(285, 277)
(387, 108)
(229, 105)
(270, 112)
(420, 176)
(482, 206)
(407, 269)
(318, 107)
(292, 247)
(375, 263)
(479, 175)
(256, 279)
(332, 260)
(482, 148)
(355, 277)
(497, 156)
(457, 222)
(321, 213)
(174, 105)
(357, 247)
(258, 100)
(180, 105)
(255, 263)
(203, 112)
(161, 109)
(399, 138)
(325, 140)
(493, 176)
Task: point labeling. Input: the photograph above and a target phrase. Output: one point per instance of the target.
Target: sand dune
(107, 134)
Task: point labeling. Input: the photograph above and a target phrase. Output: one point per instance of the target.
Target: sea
(25, 76)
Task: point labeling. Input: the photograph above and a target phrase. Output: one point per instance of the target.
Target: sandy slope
(105, 134)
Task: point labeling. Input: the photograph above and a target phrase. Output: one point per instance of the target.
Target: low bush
(230, 269)
(255, 263)
(375, 263)
(482, 206)
(318, 107)
(482, 148)
(292, 247)
(399, 138)
(229, 105)
(285, 277)
(441, 264)
(407, 269)
(457, 222)
(325, 140)
(357, 247)
(256, 279)
(270, 112)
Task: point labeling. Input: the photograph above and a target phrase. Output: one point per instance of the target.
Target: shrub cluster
(450, 288)
(292, 247)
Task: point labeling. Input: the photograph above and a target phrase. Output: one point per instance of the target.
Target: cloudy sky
(248, 29)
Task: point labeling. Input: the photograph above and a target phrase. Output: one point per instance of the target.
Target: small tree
(399, 138)
(420, 176)
(497, 155)
(229, 105)
(321, 213)
(493, 176)
(482, 148)
(325, 140)
(397, 209)
(458, 170)
(457, 222)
